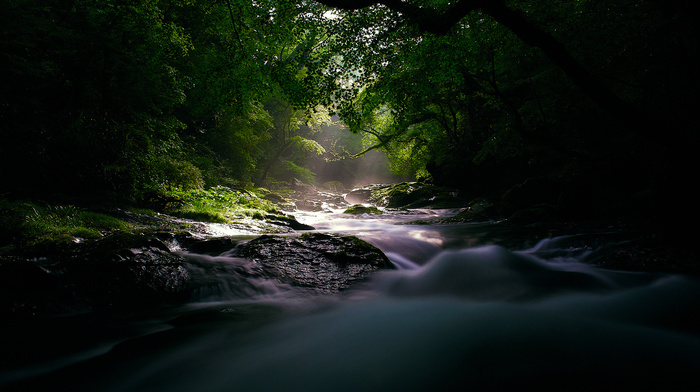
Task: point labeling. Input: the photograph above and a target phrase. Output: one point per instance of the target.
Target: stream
(472, 306)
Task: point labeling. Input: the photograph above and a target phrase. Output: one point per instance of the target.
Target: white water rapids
(470, 307)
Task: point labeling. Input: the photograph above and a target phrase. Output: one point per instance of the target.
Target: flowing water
(469, 307)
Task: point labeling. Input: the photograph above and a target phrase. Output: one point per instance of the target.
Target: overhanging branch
(430, 20)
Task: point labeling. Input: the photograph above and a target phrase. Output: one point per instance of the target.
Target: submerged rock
(326, 262)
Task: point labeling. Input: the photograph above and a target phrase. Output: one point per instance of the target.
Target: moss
(360, 243)
(26, 223)
(204, 216)
(359, 209)
(221, 205)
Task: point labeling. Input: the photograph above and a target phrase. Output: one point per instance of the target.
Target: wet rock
(211, 246)
(120, 272)
(478, 211)
(320, 201)
(331, 200)
(326, 262)
(359, 196)
(334, 186)
(650, 255)
(287, 221)
(408, 195)
(283, 203)
(359, 209)
(309, 205)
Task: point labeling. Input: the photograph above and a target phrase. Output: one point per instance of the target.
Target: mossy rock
(416, 195)
(287, 221)
(121, 272)
(359, 209)
(327, 263)
(334, 186)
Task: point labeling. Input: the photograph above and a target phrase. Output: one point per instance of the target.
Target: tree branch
(429, 20)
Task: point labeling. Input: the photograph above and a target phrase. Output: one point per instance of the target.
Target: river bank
(476, 305)
(44, 240)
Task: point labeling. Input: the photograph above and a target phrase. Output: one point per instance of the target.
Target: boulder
(416, 195)
(359, 209)
(328, 263)
(309, 205)
(287, 221)
(334, 186)
(119, 272)
(359, 196)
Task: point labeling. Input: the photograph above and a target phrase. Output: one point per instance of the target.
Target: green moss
(27, 223)
(358, 209)
(204, 216)
(220, 205)
(361, 243)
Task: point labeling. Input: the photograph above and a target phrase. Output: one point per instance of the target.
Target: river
(474, 306)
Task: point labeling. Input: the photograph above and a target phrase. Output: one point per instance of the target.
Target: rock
(359, 209)
(478, 211)
(283, 203)
(416, 195)
(334, 186)
(531, 195)
(288, 221)
(275, 198)
(331, 200)
(359, 196)
(328, 263)
(119, 272)
(301, 186)
(309, 205)
(211, 246)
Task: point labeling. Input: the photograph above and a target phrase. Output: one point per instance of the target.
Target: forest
(128, 100)
(360, 195)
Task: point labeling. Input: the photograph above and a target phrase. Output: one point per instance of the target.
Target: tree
(607, 109)
(90, 92)
(125, 97)
(443, 17)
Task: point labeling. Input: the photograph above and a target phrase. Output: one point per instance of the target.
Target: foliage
(151, 100)
(27, 223)
(511, 90)
(220, 204)
(136, 98)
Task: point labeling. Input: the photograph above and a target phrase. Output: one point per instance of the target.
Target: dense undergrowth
(26, 223)
(219, 205)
